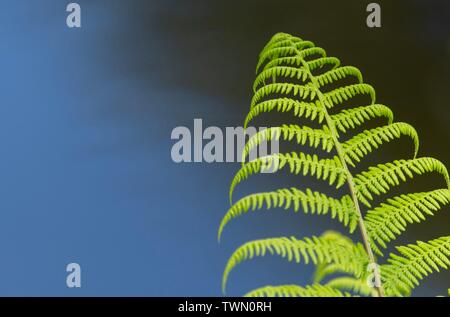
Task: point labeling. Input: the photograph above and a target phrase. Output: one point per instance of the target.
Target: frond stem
(350, 180)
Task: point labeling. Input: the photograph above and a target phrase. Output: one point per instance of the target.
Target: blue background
(85, 122)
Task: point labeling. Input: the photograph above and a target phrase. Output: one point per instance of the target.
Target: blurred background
(86, 117)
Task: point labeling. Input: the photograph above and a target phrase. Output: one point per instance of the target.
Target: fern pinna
(292, 75)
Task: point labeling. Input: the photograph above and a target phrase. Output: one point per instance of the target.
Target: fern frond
(315, 290)
(309, 201)
(277, 51)
(306, 92)
(339, 95)
(289, 72)
(279, 71)
(389, 220)
(414, 263)
(334, 75)
(311, 51)
(379, 180)
(297, 61)
(300, 109)
(286, 61)
(335, 236)
(316, 250)
(325, 269)
(287, 48)
(279, 40)
(351, 118)
(324, 169)
(322, 62)
(365, 142)
(301, 135)
(351, 284)
(294, 80)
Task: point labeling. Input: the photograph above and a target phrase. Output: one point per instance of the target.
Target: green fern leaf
(326, 269)
(364, 143)
(415, 262)
(334, 75)
(277, 72)
(316, 250)
(302, 135)
(323, 62)
(308, 110)
(351, 118)
(339, 95)
(297, 60)
(351, 284)
(274, 71)
(389, 220)
(324, 169)
(309, 201)
(275, 52)
(306, 92)
(379, 180)
(315, 290)
(293, 80)
(277, 40)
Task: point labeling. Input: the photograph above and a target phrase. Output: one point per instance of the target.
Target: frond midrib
(323, 100)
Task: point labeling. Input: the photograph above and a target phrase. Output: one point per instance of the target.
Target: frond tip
(336, 74)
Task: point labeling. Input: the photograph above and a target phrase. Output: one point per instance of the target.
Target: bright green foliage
(379, 180)
(316, 250)
(352, 284)
(330, 170)
(301, 135)
(362, 144)
(299, 109)
(308, 202)
(315, 290)
(351, 118)
(297, 78)
(415, 261)
(385, 222)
